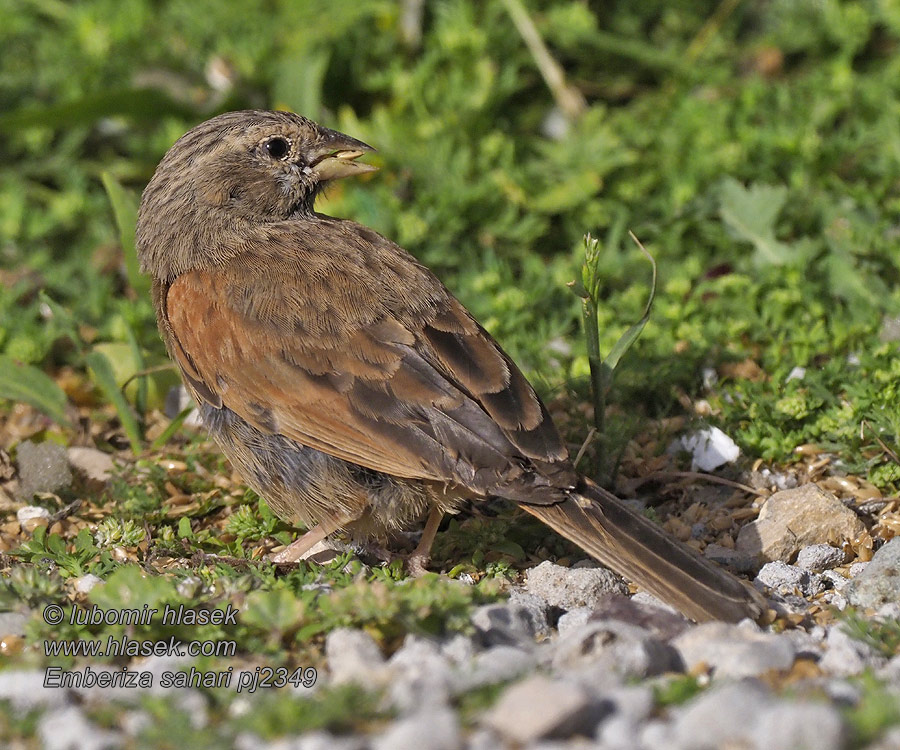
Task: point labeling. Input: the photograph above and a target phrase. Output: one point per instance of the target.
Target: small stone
(890, 740)
(614, 647)
(845, 656)
(733, 650)
(83, 584)
(856, 568)
(787, 579)
(29, 512)
(819, 557)
(43, 467)
(879, 583)
(799, 726)
(431, 729)
(510, 623)
(710, 448)
(837, 581)
(642, 610)
(12, 623)
(539, 708)
(793, 519)
(421, 677)
(572, 619)
(353, 656)
(68, 729)
(721, 717)
(497, 664)
(95, 466)
(569, 588)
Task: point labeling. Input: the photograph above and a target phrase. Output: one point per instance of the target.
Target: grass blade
(19, 382)
(103, 373)
(125, 211)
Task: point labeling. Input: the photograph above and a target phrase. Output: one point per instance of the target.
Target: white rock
(68, 729)
(721, 718)
(568, 588)
(614, 647)
(539, 708)
(432, 729)
(95, 465)
(353, 656)
(799, 726)
(710, 448)
(819, 557)
(787, 579)
(30, 512)
(574, 618)
(83, 584)
(734, 651)
(879, 583)
(845, 656)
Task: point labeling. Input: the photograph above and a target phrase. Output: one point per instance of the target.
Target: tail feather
(636, 548)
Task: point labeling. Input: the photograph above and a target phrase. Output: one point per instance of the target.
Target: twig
(568, 98)
(697, 475)
(584, 445)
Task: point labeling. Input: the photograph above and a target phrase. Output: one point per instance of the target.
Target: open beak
(337, 156)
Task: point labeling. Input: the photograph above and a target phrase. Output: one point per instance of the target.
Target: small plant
(116, 532)
(881, 635)
(590, 290)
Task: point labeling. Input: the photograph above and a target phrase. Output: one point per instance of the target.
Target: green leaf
(140, 104)
(751, 213)
(125, 210)
(277, 610)
(106, 379)
(29, 385)
(184, 528)
(630, 336)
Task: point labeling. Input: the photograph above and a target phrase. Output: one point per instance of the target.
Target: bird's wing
(346, 344)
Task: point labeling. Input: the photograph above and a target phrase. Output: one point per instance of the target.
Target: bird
(345, 382)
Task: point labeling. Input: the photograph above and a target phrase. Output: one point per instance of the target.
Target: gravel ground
(574, 661)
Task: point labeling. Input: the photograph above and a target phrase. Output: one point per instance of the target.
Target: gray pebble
(25, 690)
(12, 623)
(511, 623)
(733, 650)
(431, 729)
(890, 740)
(498, 664)
(722, 717)
(879, 583)
(819, 557)
(68, 729)
(541, 708)
(845, 656)
(353, 656)
(574, 618)
(799, 726)
(787, 579)
(421, 677)
(43, 467)
(568, 588)
(611, 646)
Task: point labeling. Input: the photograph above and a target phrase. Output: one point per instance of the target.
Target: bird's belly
(304, 484)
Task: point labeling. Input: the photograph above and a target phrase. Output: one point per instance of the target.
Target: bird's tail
(639, 550)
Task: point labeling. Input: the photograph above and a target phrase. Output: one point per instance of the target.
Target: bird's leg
(300, 547)
(417, 561)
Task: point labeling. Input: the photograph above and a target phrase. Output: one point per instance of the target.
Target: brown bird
(341, 378)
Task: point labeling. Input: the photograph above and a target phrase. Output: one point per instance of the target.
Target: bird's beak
(336, 154)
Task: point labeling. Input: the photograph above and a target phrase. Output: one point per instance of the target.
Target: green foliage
(877, 710)
(883, 635)
(20, 382)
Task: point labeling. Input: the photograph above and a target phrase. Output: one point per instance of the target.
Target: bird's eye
(277, 148)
